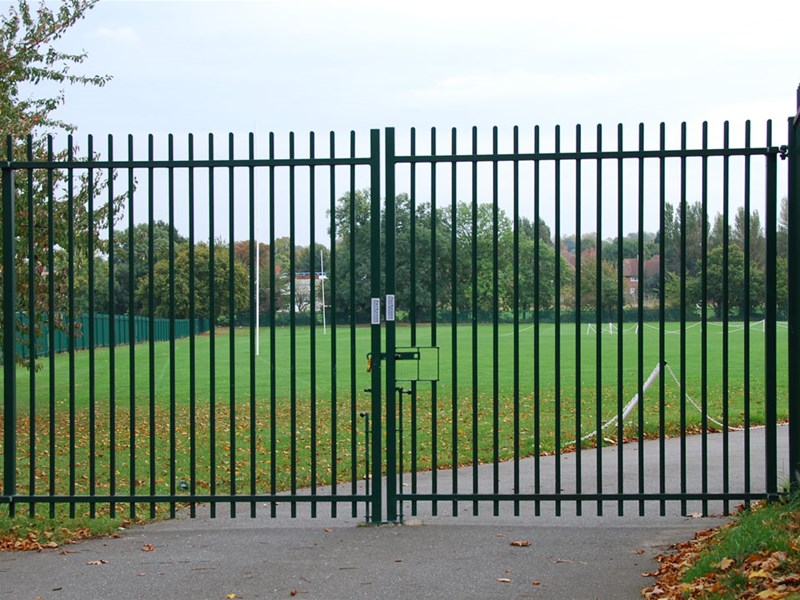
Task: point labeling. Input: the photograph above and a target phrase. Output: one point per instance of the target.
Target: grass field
(256, 438)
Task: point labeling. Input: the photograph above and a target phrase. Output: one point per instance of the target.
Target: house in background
(630, 275)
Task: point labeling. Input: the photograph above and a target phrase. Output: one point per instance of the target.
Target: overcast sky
(342, 65)
(347, 64)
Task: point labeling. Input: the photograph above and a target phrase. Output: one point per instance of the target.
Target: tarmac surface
(441, 557)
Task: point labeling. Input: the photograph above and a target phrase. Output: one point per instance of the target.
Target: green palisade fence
(402, 322)
(102, 329)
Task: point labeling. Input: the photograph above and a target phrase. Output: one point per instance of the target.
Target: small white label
(376, 311)
(390, 307)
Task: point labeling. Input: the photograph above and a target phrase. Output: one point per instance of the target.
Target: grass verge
(37, 533)
(756, 555)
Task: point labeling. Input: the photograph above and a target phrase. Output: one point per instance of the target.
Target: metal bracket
(422, 365)
(784, 152)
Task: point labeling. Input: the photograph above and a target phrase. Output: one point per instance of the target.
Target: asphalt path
(436, 557)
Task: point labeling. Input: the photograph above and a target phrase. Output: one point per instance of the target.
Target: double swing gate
(441, 324)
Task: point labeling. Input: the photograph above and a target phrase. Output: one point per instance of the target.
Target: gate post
(391, 384)
(9, 330)
(375, 320)
(794, 296)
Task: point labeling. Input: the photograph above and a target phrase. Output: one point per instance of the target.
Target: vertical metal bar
(32, 318)
(292, 327)
(640, 311)
(515, 278)
(662, 414)
(770, 338)
(333, 320)
(620, 323)
(682, 366)
(172, 367)
(454, 319)
(91, 329)
(51, 319)
(495, 322)
(9, 331)
(794, 296)
(475, 320)
(231, 327)
(413, 315)
(598, 324)
(151, 336)
(557, 304)
(313, 322)
(747, 311)
(131, 335)
(192, 337)
(704, 321)
(578, 307)
(434, 341)
(71, 319)
(112, 337)
(212, 342)
(351, 227)
(391, 338)
(375, 289)
(725, 319)
(273, 393)
(537, 299)
(255, 321)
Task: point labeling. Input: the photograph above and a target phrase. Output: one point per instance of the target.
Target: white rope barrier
(635, 400)
(628, 408)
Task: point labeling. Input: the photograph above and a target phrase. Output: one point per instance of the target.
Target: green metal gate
(506, 326)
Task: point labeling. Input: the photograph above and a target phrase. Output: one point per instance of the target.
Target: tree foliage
(58, 214)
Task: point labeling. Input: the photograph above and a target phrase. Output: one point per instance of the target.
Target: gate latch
(417, 363)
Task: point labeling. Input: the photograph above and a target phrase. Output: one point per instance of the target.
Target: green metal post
(794, 296)
(770, 345)
(9, 319)
(375, 281)
(391, 423)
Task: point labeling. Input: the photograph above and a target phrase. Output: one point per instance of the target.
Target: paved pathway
(428, 557)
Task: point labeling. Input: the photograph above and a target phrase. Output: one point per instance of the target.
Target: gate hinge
(783, 151)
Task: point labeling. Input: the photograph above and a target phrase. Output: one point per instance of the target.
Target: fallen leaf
(760, 574)
(503, 580)
(566, 560)
(535, 582)
(725, 564)
(293, 592)
(148, 548)
(97, 562)
(640, 551)
(521, 543)
(231, 596)
(327, 530)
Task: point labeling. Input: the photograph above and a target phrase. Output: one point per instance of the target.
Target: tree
(201, 278)
(353, 253)
(694, 227)
(608, 284)
(141, 259)
(755, 236)
(47, 260)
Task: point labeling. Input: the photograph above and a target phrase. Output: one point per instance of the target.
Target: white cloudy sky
(344, 65)
(351, 64)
